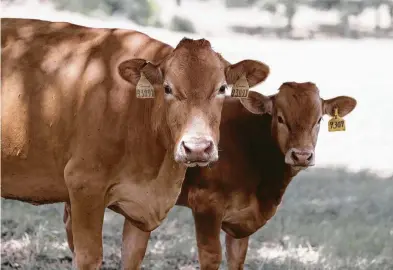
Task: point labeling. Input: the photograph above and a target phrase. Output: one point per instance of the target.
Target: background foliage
(146, 12)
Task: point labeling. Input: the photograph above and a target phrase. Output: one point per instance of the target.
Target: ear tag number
(336, 123)
(144, 89)
(240, 88)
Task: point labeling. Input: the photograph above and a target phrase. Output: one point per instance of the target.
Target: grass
(329, 219)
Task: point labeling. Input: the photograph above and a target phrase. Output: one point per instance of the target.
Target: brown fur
(73, 130)
(242, 191)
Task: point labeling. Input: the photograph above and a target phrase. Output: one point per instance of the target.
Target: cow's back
(60, 81)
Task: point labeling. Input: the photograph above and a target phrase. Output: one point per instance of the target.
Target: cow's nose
(300, 157)
(198, 150)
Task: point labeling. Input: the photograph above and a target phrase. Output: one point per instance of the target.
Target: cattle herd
(112, 118)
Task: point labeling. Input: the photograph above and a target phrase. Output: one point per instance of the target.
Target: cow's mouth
(301, 167)
(200, 163)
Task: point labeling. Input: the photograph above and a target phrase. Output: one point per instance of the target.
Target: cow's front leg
(236, 251)
(208, 226)
(68, 226)
(134, 246)
(86, 186)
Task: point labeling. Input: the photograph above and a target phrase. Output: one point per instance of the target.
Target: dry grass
(329, 219)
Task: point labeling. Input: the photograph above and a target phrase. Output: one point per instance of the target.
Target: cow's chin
(300, 167)
(191, 164)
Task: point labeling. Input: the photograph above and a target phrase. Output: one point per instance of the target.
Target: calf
(265, 142)
(74, 129)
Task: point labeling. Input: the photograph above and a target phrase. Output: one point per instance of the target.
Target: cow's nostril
(209, 147)
(310, 157)
(294, 156)
(187, 150)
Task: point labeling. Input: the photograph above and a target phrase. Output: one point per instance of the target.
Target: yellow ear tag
(240, 88)
(144, 89)
(336, 123)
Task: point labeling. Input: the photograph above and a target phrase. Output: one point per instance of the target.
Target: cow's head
(297, 111)
(190, 86)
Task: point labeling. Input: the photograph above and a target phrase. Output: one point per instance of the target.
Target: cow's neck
(274, 178)
(253, 134)
(148, 181)
(148, 140)
(276, 175)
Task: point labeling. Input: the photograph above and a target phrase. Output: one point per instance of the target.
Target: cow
(265, 141)
(75, 128)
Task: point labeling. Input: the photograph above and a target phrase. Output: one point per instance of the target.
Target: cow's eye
(167, 89)
(319, 121)
(280, 120)
(222, 89)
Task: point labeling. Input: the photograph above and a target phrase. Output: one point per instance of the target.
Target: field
(329, 219)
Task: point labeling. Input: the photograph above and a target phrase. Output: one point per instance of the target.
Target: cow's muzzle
(300, 157)
(196, 151)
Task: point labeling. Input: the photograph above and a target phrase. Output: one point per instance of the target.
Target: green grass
(329, 219)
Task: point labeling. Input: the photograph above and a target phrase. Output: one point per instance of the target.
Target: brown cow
(74, 131)
(261, 153)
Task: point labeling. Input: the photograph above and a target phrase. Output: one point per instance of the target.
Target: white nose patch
(196, 151)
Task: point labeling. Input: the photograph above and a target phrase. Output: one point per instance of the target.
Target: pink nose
(300, 157)
(197, 150)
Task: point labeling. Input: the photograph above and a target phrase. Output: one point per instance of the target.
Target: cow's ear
(344, 104)
(257, 103)
(255, 72)
(130, 70)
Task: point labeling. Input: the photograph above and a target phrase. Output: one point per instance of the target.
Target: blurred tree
(377, 28)
(268, 5)
(76, 5)
(346, 8)
(239, 3)
(182, 25)
(113, 5)
(144, 12)
(290, 10)
(140, 11)
(325, 4)
(391, 14)
(344, 18)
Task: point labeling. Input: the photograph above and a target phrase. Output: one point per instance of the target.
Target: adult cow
(74, 131)
(265, 142)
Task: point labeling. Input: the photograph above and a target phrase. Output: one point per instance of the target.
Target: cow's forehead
(194, 64)
(300, 100)
(195, 57)
(200, 62)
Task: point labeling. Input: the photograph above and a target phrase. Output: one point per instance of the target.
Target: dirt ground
(329, 219)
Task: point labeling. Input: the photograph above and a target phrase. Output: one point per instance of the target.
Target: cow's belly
(33, 182)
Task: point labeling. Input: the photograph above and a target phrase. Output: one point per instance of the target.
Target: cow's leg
(134, 246)
(68, 225)
(208, 226)
(86, 187)
(236, 251)
(87, 219)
